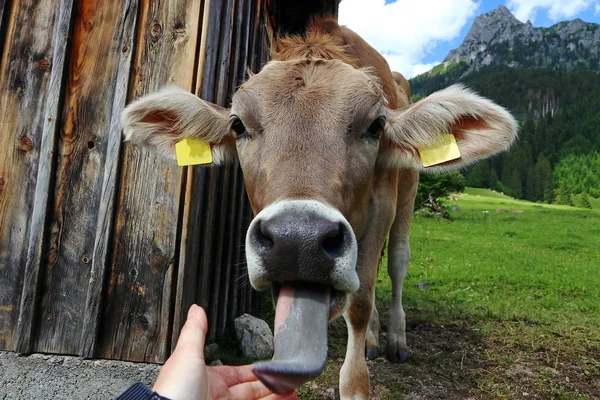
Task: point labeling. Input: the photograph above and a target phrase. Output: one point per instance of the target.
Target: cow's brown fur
(326, 39)
(307, 116)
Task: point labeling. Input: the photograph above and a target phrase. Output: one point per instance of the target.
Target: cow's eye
(376, 128)
(238, 128)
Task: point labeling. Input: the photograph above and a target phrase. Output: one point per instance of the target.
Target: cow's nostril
(334, 241)
(263, 237)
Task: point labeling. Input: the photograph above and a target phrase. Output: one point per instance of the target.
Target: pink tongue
(284, 305)
(301, 318)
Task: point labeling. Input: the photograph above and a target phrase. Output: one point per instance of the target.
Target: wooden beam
(138, 314)
(31, 81)
(104, 222)
(82, 156)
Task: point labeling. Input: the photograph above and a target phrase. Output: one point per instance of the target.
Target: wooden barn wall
(104, 246)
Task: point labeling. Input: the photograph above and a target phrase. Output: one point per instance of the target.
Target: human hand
(185, 375)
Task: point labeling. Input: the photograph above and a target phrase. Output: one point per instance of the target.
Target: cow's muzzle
(302, 241)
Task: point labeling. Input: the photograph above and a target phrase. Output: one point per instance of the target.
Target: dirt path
(460, 361)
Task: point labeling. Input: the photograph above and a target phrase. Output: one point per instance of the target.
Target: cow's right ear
(160, 120)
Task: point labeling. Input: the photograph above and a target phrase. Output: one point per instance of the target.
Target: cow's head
(310, 136)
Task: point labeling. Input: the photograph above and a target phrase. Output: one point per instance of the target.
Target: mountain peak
(496, 25)
(502, 11)
(500, 14)
(498, 37)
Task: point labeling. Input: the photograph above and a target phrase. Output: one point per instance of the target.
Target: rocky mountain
(498, 38)
(549, 79)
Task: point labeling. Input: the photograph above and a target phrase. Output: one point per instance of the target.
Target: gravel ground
(41, 376)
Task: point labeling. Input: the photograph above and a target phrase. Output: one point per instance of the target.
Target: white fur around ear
(481, 128)
(161, 119)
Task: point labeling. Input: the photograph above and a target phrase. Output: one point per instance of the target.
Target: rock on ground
(41, 376)
(254, 336)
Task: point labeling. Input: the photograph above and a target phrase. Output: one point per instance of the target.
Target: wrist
(139, 391)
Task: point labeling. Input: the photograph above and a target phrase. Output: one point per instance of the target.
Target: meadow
(498, 305)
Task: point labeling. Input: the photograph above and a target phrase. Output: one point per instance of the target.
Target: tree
(475, 176)
(584, 201)
(514, 183)
(532, 185)
(438, 186)
(579, 174)
(545, 185)
(564, 197)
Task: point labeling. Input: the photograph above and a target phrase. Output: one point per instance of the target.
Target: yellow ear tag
(443, 150)
(193, 152)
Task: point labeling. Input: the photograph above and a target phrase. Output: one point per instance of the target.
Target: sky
(416, 35)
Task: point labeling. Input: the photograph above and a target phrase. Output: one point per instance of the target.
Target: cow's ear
(160, 120)
(479, 127)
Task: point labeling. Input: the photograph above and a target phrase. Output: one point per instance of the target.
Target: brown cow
(327, 140)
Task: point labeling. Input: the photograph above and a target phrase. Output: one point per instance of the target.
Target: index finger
(192, 336)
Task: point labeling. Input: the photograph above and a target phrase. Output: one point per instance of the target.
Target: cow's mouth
(337, 298)
(302, 313)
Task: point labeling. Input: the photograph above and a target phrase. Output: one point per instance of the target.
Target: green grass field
(498, 305)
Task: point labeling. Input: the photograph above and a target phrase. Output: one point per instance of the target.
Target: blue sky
(416, 35)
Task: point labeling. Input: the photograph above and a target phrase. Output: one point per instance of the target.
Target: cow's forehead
(321, 78)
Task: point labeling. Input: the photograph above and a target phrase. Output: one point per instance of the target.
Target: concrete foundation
(41, 376)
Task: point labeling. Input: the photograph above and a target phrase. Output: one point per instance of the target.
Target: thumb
(193, 334)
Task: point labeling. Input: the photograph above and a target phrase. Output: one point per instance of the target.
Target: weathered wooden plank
(104, 218)
(211, 52)
(242, 36)
(210, 270)
(207, 89)
(137, 320)
(82, 148)
(225, 50)
(30, 87)
(190, 252)
(253, 62)
(229, 237)
(207, 222)
(191, 227)
(238, 76)
(256, 46)
(229, 251)
(215, 310)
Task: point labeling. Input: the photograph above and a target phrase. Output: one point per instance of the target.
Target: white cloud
(422, 68)
(597, 9)
(557, 9)
(401, 63)
(406, 31)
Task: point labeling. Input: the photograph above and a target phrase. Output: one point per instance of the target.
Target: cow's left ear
(479, 126)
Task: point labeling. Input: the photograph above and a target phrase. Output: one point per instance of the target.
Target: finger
(288, 396)
(249, 391)
(235, 375)
(193, 334)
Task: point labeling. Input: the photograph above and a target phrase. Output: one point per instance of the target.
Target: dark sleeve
(139, 391)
